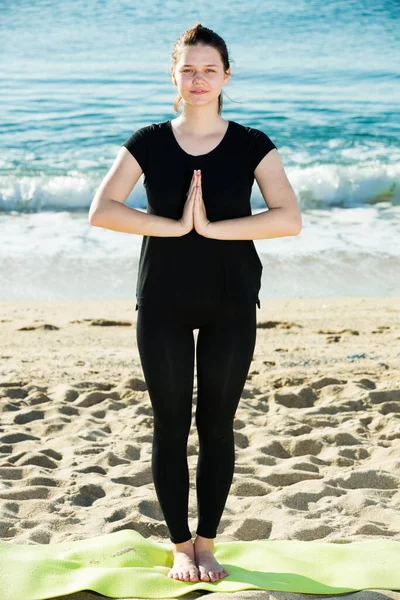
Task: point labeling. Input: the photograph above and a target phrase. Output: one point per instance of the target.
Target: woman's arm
(108, 208)
(283, 217)
(118, 217)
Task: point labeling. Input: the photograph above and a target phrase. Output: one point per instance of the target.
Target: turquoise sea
(321, 79)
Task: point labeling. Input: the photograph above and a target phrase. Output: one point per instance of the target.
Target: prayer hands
(199, 214)
(194, 213)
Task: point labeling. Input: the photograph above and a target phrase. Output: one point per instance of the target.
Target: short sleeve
(137, 146)
(260, 145)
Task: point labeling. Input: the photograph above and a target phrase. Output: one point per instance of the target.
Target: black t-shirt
(193, 269)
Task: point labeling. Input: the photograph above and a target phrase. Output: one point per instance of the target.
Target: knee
(214, 429)
(172, 430)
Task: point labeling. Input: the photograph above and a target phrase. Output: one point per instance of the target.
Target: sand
(317, 429)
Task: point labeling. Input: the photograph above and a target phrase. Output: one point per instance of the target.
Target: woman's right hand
(187, 216)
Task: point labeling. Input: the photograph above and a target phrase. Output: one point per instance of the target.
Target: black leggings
(224, 351)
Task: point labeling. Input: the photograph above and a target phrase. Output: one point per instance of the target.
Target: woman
(198, 269)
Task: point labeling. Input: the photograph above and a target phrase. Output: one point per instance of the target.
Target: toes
(190, 576)
(216, 575)
(212, 575)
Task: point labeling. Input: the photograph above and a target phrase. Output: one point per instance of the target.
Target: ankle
(183, 547)
(202, 543)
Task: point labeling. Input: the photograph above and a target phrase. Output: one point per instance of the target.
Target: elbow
(295, 225)
(98, 213)
(295, 218)
(91, 217)
(94, 215)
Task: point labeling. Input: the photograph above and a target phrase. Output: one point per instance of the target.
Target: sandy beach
(317, 430)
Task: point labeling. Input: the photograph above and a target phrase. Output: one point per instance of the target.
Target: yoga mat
(125, 564)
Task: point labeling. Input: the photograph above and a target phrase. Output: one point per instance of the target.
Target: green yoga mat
(124, 564)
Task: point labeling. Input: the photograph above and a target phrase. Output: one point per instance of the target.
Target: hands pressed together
(194, 211)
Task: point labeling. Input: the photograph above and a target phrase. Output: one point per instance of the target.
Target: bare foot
(209, 568)
(184, 567)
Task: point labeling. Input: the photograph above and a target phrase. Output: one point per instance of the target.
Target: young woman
(198, 269)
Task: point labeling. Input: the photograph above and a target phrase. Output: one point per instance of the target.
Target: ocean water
(321, 79)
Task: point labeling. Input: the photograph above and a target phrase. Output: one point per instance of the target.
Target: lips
(199, 91)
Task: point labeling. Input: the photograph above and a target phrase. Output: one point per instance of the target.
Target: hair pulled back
(200, 35)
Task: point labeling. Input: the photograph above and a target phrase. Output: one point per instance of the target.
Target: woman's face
(199, 68)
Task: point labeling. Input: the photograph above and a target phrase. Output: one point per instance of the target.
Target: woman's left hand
(200, 220)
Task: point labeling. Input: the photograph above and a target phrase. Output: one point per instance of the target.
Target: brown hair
(200, 35)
